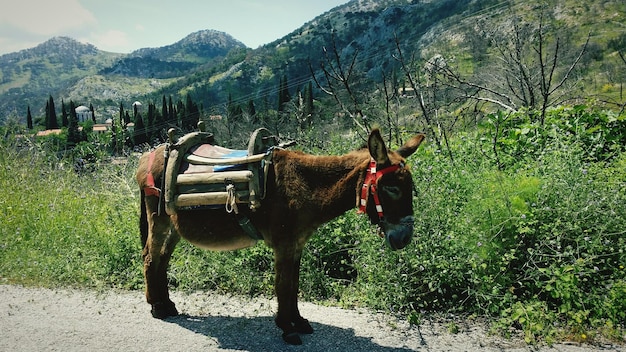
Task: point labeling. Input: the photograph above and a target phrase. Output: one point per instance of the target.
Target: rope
(231, 199)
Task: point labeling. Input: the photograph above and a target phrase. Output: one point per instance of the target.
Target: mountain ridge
(212, 65)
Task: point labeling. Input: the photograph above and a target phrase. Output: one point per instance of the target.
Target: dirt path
(34, 319)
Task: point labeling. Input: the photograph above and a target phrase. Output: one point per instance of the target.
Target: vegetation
(527, 230)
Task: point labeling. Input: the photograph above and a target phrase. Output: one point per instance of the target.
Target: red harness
(150, 189)
(371, 186)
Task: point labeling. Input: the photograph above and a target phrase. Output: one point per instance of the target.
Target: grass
(62, 228)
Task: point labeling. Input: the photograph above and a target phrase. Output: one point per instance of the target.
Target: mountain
(361, 37)
(67, 69)
(200, 47)
(175, 60)
(28, 76)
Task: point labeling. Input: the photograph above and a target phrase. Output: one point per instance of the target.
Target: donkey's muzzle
(398, 235)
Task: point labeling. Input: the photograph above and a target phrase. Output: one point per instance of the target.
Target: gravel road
(36, 319)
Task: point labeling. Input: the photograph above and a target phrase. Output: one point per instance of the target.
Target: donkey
(303, 192)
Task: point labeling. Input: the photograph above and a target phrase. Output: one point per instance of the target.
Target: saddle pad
(214, 152)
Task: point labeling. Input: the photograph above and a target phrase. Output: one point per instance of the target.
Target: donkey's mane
(328, 179)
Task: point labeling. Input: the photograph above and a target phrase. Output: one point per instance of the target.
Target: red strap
(150, 189)
(370, 186)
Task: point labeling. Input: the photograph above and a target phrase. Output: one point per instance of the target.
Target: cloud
(46, 18)
(113, 40)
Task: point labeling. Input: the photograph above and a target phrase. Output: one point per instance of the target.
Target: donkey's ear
(377, 147)
(411, 145)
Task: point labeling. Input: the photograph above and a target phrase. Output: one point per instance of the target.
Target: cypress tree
(64, 120)
(123, 122)
(73, 134)
(47, 116)
(29, 119)
(164, 114)
(140, 130)
(180, 113)
(191, 115)
(54, 124)
(93, 113)
(126, 118)
(171, 117)
(150, 122)
(283, 93)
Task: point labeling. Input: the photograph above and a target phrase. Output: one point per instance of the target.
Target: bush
(536, 241)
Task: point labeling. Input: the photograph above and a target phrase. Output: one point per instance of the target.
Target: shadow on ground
(260, 334)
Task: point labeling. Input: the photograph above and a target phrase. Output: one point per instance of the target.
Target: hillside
(365, 35)
(70, 70)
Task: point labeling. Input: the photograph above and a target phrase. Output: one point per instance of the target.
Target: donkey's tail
(143, 221)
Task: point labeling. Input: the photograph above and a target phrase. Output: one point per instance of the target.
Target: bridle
(370, 186)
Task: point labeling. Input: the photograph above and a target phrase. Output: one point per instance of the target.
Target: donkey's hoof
(303, 326)
(292, 338)
(164, 310)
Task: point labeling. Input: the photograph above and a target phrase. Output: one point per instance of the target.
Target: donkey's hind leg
(288, 318)
(158, 249)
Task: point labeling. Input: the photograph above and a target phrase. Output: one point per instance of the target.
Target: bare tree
(530, 69)
(390, 94)
(339, 79)
(431, 95)
(417, 88)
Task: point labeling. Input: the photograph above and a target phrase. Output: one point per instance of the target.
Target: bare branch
(571, 68)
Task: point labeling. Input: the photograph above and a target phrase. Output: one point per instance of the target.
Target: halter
(370, 185)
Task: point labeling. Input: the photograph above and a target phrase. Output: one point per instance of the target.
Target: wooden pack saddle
(200, 174)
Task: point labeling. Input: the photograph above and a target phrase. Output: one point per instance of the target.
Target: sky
(123, 26)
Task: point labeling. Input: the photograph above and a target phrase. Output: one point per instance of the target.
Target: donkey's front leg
(288, 318)
(160, 244)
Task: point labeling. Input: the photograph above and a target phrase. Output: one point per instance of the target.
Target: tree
(47, 116)
(532, 70)
(191, 114)
(139, 133)
(64, 116)
(73, 134)
(283, 93)
(162, 120)
(171, 113)
(418, 88)
(180, 113)
(150, 124)
(123, 121)
(93, 113)
(51, 115)
(234, 112)
(29, 119)
(251, 111)
(339, 80)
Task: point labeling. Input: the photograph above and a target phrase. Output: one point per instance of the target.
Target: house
(103, 127)
(83, 113)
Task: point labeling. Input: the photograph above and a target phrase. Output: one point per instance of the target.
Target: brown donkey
(303, 192)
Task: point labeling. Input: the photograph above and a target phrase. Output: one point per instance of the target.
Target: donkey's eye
(393, 191)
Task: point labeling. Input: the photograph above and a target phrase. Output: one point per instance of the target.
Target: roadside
(37, 319)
